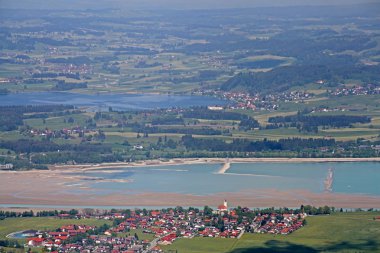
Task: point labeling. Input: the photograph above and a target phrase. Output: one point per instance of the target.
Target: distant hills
(283, 78)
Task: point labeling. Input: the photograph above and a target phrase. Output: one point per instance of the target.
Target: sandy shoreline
(59, 187)
(209, 160)
(253, 199)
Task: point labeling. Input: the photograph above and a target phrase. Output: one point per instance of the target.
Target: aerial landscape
(189, 126)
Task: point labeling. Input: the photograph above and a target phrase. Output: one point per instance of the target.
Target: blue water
(116, 101)
(186, 179)
(18, 235)
(349, 177)
(352, 178)
(355, 178)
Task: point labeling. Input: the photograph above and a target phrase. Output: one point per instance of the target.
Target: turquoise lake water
(353, 178)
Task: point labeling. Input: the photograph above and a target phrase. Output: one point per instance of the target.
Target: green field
(140, 234)
(340, 232)
(11, 225)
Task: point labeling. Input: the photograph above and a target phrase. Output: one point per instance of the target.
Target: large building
(7, 166)
(223, 208)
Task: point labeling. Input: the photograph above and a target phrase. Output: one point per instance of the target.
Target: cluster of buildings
(62, 241)
(277, 224)
(257, 102)
(290, 96)
(165, 226)
(356, 90)
(326, 109)
(70, 68)
(9, 80)
(62, 133)
(214, 61)
(57, 238)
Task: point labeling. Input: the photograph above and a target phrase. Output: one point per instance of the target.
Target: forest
(283, 78)
(242, 145)
(11, 117)
(311, 123)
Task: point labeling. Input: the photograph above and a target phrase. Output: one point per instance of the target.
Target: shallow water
(202, 179)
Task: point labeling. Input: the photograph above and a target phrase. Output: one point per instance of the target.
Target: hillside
(283, 78)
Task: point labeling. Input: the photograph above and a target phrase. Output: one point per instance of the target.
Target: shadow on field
(287, 247)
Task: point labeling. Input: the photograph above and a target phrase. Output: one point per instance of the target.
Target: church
(223, 208)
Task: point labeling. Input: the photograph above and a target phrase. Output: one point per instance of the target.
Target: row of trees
(62, 85)
(180, 130)
(55, 75)
(35, 146)
(77, 60)
(76, 157)
(244, 145)
(324, 120)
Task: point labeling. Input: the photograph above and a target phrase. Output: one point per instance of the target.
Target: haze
(167, 4)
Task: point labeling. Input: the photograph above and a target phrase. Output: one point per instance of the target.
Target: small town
(270, 102)
(165, 226)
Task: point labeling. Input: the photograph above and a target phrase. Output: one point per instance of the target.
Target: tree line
(35, 146)
(311, 123)
(182, 130)
(76, 157)
(244, 145)
(62, 85)
(55, 75)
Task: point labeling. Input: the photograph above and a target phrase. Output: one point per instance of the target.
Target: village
(256, 102)
(165, 226)
(270, 102)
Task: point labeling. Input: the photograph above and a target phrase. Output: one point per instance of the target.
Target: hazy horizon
(170, 4)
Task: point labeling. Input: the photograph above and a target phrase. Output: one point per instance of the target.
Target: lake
(104, 101)
(202, 179)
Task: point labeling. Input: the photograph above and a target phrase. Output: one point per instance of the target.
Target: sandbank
(63, 186)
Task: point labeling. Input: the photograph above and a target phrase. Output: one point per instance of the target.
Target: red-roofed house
(35, 241)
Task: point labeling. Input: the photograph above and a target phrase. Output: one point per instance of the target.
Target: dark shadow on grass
(287, 247)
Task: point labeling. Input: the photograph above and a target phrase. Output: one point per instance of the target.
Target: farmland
(233, 57)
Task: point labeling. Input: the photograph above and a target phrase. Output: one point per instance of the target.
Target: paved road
(152, 245)
(241, 234)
